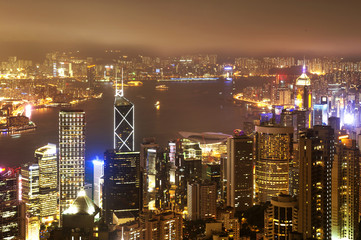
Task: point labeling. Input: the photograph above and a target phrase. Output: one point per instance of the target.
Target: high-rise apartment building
(202, 198)
(316, 154)
(71, 155)
(345, 190)
(273, 156)
(238, 172)
(122, 192)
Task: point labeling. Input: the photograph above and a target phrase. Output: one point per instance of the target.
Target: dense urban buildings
(294, 166)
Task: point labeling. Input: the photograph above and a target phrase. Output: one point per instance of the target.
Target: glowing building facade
(98, 176)
(345, 190)
(281, 218)
(273, 155)
(71, 155)
(47, 161)
(149, 160)
(11, 209)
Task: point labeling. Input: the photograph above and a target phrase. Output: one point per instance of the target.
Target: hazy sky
(167, 27)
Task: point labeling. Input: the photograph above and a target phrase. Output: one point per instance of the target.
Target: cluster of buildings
(299, 161)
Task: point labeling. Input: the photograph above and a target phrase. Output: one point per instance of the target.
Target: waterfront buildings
(238, 172)
(273, 155)
(316, 154)
(71, 155)
(281, 217)
(122, 192)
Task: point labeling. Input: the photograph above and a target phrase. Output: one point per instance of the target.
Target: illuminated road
(239, 97)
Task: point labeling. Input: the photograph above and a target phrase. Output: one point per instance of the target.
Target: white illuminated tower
(71, 155)
(123, 121)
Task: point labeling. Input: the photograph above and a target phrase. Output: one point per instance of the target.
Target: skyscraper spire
(118, 92)
(304, 65)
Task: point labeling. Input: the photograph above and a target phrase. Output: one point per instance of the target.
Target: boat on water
(135, 83)
(157, 105)
(161, 87)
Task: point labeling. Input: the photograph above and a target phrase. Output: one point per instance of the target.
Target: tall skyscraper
(345, 190)
(98, 182)
(316, 154)
(121, 183)
(303, 97)
(12, 211)
(123, 122)
(238, 172)
(91, 75)
(71, 155)
(31, 198)
(273, 155)
(47, 161)
(149, 160)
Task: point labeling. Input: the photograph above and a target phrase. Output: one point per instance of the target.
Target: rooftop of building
(122, 101)
(82, 205)
(205, 137)
(71, 111)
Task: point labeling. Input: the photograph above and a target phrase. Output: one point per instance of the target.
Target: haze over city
(238, 27)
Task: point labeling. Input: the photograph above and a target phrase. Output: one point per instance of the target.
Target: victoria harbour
(184, 106)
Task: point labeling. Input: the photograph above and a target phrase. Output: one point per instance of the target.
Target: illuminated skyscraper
(273, 155)
(345, 190)
(281, 217)
(71, 155)
(238, 172)
(149, 160)
(31, 199)
(91, 75)
(316, 154)
(11, 209)
(98, 182)
(48, 181)
(123, 122)
(121, 183)
(303, 97)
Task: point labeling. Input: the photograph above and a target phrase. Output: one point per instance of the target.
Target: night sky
(171, 27)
